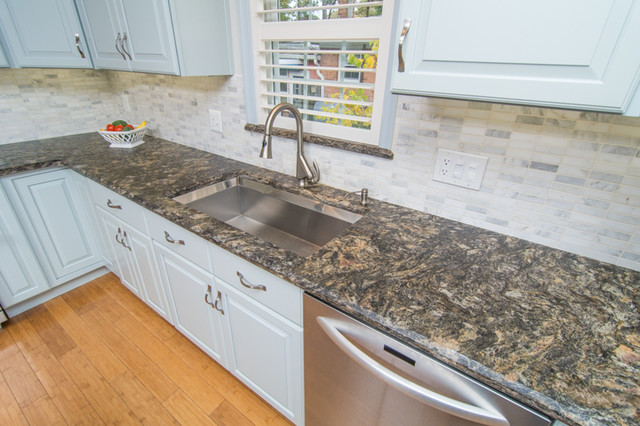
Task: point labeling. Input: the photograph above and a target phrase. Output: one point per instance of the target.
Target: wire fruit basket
(127, 139)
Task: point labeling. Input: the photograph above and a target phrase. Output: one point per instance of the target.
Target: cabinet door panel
(58, 222)
(20, 273)
(266, 353)
(187, 285)
(146, 270)
(41, 33)
(580, 55)
(103, 25)
(150, 36)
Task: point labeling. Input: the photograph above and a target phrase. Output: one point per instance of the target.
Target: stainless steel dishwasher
(356, 375)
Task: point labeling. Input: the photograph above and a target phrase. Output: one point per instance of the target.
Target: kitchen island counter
(555, 330)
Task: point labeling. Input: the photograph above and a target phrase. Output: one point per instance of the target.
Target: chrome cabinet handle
(171, 240)
(418, 392)
(207, 297)
(218, 300)
(403, 34)
(113, 206)
(124, 238)
(251, 286)
(118, 49)
(78, 45)
(124, 39)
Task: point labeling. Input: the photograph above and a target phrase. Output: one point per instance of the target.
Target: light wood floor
(98, 355)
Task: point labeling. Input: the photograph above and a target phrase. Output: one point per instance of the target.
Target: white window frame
(371, 28)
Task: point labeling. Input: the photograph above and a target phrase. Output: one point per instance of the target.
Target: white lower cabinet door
(266, 352)
(20, 273)
(143, 261)
(194, 297)
(56, 223)
(121, 260)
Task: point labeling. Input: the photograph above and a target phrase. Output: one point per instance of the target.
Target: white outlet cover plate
(460, 168)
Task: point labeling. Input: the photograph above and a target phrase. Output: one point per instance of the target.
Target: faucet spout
(306, 176)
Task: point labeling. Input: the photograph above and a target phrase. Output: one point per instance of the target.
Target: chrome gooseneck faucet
(305, 176)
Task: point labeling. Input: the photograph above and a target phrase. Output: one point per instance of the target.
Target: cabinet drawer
(278, 295)
(119, 206)
(185, 243)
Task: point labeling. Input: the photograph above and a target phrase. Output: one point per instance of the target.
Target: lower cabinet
(194, 299)
(133, 260)
(265, 352)
(55, 221)
(246, 319)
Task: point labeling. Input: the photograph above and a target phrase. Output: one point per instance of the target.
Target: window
(328, 58)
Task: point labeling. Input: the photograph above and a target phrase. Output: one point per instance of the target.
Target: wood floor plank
(186, 411)
(17, 372)
(10, 411)
(93, 347)
(43, 412)
(188, 379)
(104, 400)
(131, 356)
(228, 415)
(50, 331)
(67, 397)
(23, 333)
(144, 405)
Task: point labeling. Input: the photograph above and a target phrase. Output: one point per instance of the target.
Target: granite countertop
(554, 330)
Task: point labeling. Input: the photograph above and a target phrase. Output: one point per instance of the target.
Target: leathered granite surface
(554, 330)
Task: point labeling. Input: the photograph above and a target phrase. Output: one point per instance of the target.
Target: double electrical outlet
(459, 168)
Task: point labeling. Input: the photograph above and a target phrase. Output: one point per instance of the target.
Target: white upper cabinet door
(568, 54)
(55, 222)
(104, 33)
(149, 36)
(20, 273)
(44, 33)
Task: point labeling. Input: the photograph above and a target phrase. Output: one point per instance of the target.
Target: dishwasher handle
(424, 395)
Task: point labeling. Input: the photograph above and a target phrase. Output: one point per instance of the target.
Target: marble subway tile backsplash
(566, 179)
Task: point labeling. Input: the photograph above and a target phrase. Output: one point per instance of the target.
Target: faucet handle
(316, 173)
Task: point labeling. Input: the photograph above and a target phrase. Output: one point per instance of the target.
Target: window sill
(361, 148)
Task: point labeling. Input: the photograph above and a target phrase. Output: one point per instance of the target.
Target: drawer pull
(171, 240)
(251, 286)
(218, 300)
(207, 297)
(119, 234)
(113, 206)
(403, 34)
(118, 49)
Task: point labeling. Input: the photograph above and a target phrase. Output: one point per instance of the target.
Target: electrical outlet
(215, 118)
(459, 168)
(126, 106)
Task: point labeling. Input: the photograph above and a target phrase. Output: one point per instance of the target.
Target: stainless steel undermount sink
(289, 221)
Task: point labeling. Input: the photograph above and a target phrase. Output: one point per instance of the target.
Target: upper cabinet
(44, 33)
(185, 37)
(567, 54)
